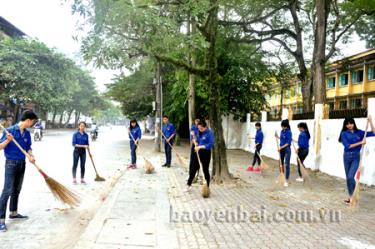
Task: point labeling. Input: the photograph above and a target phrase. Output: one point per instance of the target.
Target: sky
(51, 22)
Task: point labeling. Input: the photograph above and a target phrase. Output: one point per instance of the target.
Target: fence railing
(335, 114)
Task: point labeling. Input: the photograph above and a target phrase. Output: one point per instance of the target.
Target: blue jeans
(351, 163)
(79, 153)
(14, 173)
(133, 154)
(285, 160)
(168, 152)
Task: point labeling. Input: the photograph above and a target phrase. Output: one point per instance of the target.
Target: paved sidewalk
(153, 211)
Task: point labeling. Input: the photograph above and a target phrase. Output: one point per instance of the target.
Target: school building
(349, 83)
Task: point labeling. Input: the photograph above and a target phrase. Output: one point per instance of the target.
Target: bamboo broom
(355, 197)
(180, 159)
(149, 168)
(304, 173)
(58, 190)
(281, 178)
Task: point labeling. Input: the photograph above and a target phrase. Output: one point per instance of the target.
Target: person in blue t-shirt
(352, 139)
(204, 143)
(135, 135)
(285, 152)
(169, 133)
(80, 144)
(303, 147)
(258, 146)
(15, 165)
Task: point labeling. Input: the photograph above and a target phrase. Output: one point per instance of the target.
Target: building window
(331, 106)
(357, 76)
(343, 104)
(356, 103)
(344, 79)
(332, 82)
(371, 73)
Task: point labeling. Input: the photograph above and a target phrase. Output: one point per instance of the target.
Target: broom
(263, 165)
(304, 173)
(281, 178)
(149, 168)
(180, 159)
(97, 178)
(205, 188)
(355, 196)
(58, 190)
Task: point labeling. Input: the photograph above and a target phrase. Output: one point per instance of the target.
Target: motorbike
(38, 134)
(93, 135)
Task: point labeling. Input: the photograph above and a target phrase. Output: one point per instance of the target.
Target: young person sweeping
(352, 139)
(205, 142)
(135, 135)
(284, 150)
(15, 165)
(303, 147)
(80, 144)
(258, 146)
(169, 133)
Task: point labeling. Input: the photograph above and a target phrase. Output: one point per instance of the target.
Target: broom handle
(92, 160)
(278, 148)
(168, 142)
(25, 153)
(358, 173)
(131, 135)
(199, 158)
(295, 149)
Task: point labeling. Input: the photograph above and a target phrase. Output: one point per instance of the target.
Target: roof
(9, 29)
(368, 55)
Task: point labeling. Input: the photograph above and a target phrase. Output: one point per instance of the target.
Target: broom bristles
(355, 196)
(205, 191)
(281, 179)
(62, 193)
(149, 167)
(263, 166)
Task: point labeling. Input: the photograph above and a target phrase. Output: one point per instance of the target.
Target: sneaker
(134, 166)
(250, 168)
(257, 170)
(83, 181)
(347, 201)
(168, 165)
(164, 165)
(299, 179)
(130, 166)
(3, 227)
(286, 184)
(74, 181)
(188, 188)
(18, 216)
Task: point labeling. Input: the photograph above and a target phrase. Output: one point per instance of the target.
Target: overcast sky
(51, 22)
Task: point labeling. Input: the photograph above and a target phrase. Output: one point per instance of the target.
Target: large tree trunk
(77, 115)
(61, 119)
(220, 170)
(69, 116)
(281, 100)
(53, 118)
(322, 10)
(191, 96)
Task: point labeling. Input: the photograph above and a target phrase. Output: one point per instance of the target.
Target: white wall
(330, 160)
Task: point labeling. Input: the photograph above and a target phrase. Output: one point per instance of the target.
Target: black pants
(79, 154)
(302, 154)
(14, 173)
(256, 155)
(168, 152)
(205, 156)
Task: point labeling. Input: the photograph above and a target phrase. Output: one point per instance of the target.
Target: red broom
(355, 197)
(58, 190)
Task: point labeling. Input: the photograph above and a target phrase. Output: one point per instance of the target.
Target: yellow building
(349, 82)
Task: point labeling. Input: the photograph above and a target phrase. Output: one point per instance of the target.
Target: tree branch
(197, 71)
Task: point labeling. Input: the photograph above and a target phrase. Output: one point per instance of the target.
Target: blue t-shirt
(80, 139)
(259, 137)
(168, 130)
(285, 137)
(348, 138)
(303, 140)
(11, 151)
(207, 139)
(136, 133)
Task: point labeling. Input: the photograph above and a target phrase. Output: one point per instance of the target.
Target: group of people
(351, 138)
(202, 142)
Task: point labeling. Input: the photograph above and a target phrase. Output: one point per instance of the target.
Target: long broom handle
(295, 149)
(278, 148)
(162, 133)
(358, 173)
(199, 159)
(132, 137)
(25, 153)
(92, 160)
